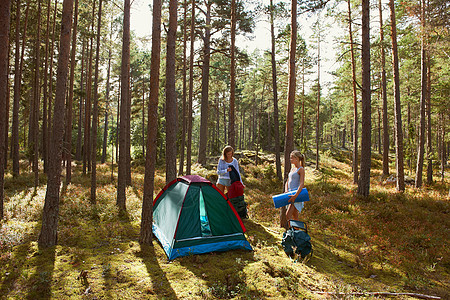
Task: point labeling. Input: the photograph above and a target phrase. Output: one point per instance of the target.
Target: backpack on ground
(296, 240)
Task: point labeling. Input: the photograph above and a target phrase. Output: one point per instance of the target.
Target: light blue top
(222, 167)
(294, 180)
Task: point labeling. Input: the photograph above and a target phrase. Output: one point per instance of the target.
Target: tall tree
(171, 96)
(318, 94)
(398, 128)
(231, 120)
(191, 91)
(384, 96)
(16, 103)
(184, 117)
(152, 129)
(355, 97)
(68, 146)
(5, 15)
(48, 235)
(124, 99)
(275, 95)
(205, 87)
(366, 117)
(289, 136)
(45, 100)
(95, 109)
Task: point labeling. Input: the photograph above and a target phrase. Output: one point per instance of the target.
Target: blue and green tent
(192, 216)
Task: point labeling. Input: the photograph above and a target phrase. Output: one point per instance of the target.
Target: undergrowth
(396, 242)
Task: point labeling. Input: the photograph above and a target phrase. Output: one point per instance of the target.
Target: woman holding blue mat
(296, 182)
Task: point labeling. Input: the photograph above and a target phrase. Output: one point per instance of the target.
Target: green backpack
(296, 240)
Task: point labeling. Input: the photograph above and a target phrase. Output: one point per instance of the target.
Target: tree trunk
(44, 104)
(191, 92)
(78, 154)
(124, 99)
(364, 178)
(171, 96)
(384, 97)
(152, 129)
(108, 88)
(289, 137)
(205, 88)
(275, 96)
(231, 130)
(428, 112)
(184, 118)
(48, 235)
(355, 98)
(69, 105)
(318, 100)
(5, 14)
(423, 99)
(398, 128)
(95, 110)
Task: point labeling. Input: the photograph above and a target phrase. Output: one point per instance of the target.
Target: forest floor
(389, 242)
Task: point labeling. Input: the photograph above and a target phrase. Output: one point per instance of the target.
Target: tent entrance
(204, 222)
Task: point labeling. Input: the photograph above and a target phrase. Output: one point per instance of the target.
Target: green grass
(389, 242)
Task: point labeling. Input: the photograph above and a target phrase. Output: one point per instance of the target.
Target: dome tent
(191, 216)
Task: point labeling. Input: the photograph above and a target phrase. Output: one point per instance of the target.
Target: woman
(296, 182)
(223, 168)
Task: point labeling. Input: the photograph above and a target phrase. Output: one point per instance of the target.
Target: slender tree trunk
(355, 98)
(152, 129)
(69, 105)
(398, 128)
(423, 99)
(125, 95)
(16, 103)
(48, 235)
(275, 96)
(384, 97)
(191, 91)
(205, 88)
(78, 154)
(108, 88)
(231, 130)
(171, 96)
(318, 101)
(44, 104)
(5, 15)
(429, 141)
(289, 137)
(36, 101)
(143, 116)
(95, 110)
(366, 117)
(50, 83)
(184, 118)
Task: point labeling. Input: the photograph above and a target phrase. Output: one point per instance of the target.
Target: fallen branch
(420, 296)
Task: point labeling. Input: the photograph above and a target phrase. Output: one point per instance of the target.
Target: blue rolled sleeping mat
(283, 199)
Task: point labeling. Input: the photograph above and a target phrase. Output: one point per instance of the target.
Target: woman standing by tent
(223, 168)
(296, 182)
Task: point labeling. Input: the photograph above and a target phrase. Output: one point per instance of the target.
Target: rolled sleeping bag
(283, 199)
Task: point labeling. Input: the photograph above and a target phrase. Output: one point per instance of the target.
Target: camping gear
(236, 193)
(283, 199)
(192, 216)
(296, 240)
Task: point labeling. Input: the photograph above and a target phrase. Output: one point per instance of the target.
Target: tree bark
(191, 92)
(398, 128)
(289, 136)
(428, 113)
(355, 98)
(231, 121)
(171, 96)
(16, 103)
(79, 150)
(423, 97)
(205, 88)
(275, 96)
(364, 179)
(44, 104)
(318, 100)
(124, 99)
(184, 118)
(384, 97)
(95, 110)
(5, 15)
(48, 235)
(68, 147)
(145, 237)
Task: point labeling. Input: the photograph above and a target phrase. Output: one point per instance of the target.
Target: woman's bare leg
(221, 187)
